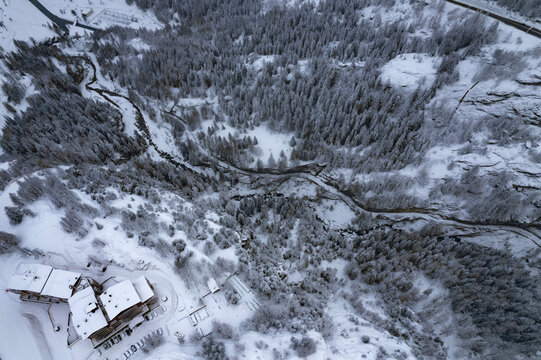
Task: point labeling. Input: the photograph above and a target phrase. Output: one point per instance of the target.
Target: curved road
(516, 24)
(60, 22)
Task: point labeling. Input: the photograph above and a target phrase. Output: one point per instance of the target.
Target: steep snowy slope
(22, 21)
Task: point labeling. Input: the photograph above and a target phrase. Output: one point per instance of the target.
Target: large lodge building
(96, 313)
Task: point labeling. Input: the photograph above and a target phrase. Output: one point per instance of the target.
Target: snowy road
(62, 23)
(527, 28)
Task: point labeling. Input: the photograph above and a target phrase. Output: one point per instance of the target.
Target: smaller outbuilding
(87, 13)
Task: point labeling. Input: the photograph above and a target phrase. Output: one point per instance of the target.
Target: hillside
(297, 179)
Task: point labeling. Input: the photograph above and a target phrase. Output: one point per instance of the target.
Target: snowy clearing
(411, 70)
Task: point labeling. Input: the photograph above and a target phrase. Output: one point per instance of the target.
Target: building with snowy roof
(126, 300)
(43, 283)
(143, 288)
(61, 284)
(29, 278)
(87, 315)
(95, 314)
(119, 298)
(100, 316)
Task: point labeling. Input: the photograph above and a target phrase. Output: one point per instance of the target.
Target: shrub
(13, 91)
(182, 260)
(214, 350)
(15, 214)
(304, 347)
(366, 339)
(8, 242)
(232, 297)
(266, 318)
(152, 341)
(73, 224)
(179, 245)
(351, 270)
(222, 330)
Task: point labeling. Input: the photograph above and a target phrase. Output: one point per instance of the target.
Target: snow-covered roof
(29, 277)
(87, 314)
(143, 289)
(212, 285)
(118, 298)
(60, 283)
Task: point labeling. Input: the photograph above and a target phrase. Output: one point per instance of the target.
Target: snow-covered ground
(125, 259)
(103, 13)
(411, 70)
(479, 98)
(337, 213)
(22, 21)
(259, 63)
(351, 329)
(268, 142)
(26, 330)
